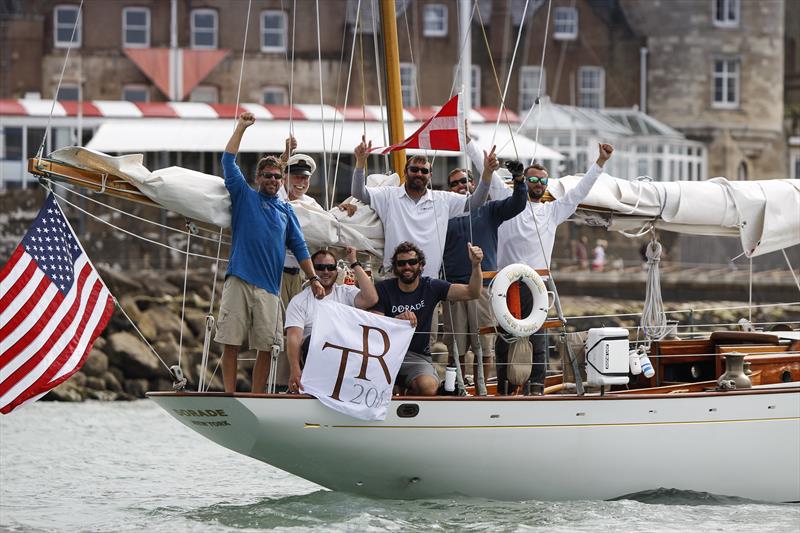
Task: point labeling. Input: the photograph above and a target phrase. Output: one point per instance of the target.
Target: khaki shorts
(249, 312)
(465, 319)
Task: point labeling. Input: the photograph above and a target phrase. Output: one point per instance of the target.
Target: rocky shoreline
(121, 366)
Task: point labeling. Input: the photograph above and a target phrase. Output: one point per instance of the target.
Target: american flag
(53, 305)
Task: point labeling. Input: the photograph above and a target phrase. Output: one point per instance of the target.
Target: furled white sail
(764, 214)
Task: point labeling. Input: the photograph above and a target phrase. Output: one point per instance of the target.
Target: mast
(394, 95)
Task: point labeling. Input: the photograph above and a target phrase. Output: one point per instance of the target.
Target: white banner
(353, 359)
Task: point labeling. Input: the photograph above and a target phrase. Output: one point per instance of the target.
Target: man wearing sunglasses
(263, 227)
(463, 320)
(413, 212)
(529, 238)
(301, 312)
(412, 296)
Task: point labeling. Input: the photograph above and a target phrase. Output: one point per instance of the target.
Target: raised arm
(481, 194)
(244, 121)
(567, 204)
(497, 188)
(367, 296)
(289, 146)
(459, 291)
(358, 187)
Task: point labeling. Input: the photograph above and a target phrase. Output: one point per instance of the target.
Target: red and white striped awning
(191, 110)
(207, 127)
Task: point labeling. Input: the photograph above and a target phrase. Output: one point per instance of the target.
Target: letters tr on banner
(53, 305)
(353, 359)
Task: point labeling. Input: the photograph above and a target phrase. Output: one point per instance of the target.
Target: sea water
(119, 467)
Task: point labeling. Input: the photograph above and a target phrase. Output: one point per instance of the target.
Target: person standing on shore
(262, 227)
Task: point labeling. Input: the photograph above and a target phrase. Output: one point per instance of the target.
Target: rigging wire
(291, 72)
(46, 136)
(241, 66)
(322, 102)
(346, 97)
(386, 159)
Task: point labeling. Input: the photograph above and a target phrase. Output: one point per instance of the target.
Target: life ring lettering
(519, 327)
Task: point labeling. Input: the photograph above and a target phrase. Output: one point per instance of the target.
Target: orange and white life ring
(519, 327)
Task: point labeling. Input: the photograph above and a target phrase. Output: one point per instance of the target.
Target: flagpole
(394, 95)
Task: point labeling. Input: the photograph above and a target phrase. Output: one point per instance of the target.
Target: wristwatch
(314, 278)
(356, 264)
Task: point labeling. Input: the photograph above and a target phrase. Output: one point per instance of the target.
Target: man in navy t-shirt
(413, 297)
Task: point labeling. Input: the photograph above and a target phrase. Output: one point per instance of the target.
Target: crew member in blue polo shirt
(463, 319)
(263, 227)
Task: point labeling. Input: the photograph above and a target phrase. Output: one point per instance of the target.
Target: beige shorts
(249, 312)
(465, 319)
(291, 285)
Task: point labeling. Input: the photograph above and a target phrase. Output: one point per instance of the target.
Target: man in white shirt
(412, 212)
(301, 311)
(529, 238)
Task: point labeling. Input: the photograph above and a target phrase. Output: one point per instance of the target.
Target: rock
(96, 364)
(95, 383)
(128, 303)
(118, 282)
(69, 391)
(147, 326)
(168, 321)
(157, 284)
(102, 395)
(112, 382)
(100, 343)
(78, 378)
(117, 373)
(136, 387)
(129, 353)
(196, 319)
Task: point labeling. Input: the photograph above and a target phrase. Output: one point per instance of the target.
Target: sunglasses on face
(404, 262)
(537, 179)
(270, 175)
(421, 170)
(462, 181)
(322, 268)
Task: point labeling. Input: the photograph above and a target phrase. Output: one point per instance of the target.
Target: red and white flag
(53, 305)
(440, 132)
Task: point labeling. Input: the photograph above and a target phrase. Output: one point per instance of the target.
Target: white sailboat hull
(744, 444)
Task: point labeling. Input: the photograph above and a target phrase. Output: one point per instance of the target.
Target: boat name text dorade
(365, 357)
(210, 413)
(517, 274)
(200, 412)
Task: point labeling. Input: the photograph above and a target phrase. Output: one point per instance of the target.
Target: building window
(64, 19)
(204, 28)
(208, 94)
(726, 13)
(68, 92)
(591, 87)
(12, 144)
(565, 23)
(273, 31)
(275, 96)
(726, 83)
(136, 93)
(475, 83)
(136, 27)
(408, 84)
(529, 78)
(796, 168)
(434, 20)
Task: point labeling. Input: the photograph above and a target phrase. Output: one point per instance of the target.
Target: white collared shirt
(423, 222)
(290, 261)
(518, 238)
(302, 309)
